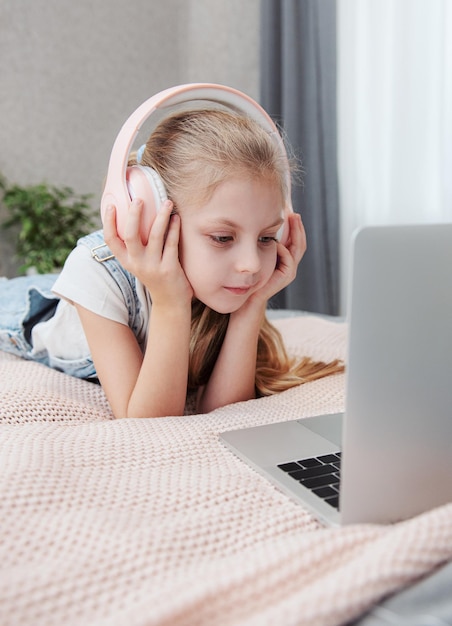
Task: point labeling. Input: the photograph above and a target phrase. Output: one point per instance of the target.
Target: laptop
(388, 457)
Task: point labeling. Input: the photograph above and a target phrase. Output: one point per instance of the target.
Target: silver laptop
(389, 457)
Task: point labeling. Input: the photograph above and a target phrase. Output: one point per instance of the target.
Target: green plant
(50, 220)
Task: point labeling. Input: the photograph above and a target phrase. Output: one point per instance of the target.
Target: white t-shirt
(85, 281)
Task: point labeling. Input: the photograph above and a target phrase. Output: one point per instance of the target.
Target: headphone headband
(115, 191)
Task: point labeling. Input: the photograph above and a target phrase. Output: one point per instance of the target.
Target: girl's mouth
(238, 291)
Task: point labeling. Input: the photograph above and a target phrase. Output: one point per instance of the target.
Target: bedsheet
(153, 522)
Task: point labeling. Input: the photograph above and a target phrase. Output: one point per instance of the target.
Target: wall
(71, 73)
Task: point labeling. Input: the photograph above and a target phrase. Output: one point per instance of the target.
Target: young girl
(186, 309)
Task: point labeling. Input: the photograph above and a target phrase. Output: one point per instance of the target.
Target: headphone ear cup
(145, 183)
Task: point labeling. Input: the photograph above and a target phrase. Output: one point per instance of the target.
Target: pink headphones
(125, 183)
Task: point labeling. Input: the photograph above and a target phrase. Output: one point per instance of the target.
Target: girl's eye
(221, 239)
(267, 240)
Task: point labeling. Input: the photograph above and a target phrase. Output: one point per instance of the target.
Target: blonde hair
(194, 152)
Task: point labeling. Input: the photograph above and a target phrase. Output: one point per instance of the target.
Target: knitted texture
(154, 522)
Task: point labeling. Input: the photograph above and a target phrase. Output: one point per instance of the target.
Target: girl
(184, 310)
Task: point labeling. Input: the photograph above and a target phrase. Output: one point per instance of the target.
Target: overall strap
(101, 253)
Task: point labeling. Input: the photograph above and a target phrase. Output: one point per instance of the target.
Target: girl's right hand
(156, 263)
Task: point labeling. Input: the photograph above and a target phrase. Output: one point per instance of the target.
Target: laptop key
(309, 462)
(318, 481)
(325, 492)
(310, 472)
(289, 467)
(328, 458)
(333, 501)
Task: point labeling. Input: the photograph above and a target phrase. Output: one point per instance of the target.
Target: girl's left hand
(289, 256)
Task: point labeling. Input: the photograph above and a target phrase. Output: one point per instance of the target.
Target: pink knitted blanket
(154, 522)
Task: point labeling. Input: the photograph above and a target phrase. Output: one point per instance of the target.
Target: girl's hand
(156, 264)
(289, 256)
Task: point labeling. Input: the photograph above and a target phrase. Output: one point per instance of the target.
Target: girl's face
(228, 245)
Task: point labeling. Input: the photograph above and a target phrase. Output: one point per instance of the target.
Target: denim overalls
(27, 300)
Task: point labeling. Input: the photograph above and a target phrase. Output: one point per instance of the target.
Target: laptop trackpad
(328, 426)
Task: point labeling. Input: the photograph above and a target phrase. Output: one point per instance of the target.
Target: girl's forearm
(161, 386)
(233, 377)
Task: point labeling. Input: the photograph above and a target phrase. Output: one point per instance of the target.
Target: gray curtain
(298, 89)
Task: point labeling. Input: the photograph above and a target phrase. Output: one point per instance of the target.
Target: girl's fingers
(285, 258)
(161, 220)
(297, 237)
(133, 222)
(111, 236)
(132, 233)
(303, 242)
(109, 222)
(172, 237)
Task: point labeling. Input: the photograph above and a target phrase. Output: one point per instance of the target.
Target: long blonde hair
(194, 152)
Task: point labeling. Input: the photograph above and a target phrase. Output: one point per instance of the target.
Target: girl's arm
(234, 373)
(153, 384)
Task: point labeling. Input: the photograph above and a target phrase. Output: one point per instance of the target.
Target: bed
(154, 522)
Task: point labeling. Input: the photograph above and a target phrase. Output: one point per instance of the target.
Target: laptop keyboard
(320, 474)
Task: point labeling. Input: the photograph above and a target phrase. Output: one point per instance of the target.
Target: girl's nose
(248, 260)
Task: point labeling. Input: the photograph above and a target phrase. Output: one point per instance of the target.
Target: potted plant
(49, 219)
